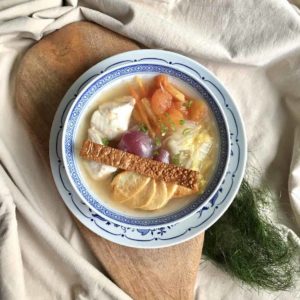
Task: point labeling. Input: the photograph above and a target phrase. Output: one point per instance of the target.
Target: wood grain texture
(45, 73)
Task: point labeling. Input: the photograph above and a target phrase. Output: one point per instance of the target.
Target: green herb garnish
(181, 122)
(105, 141)
(176, 159)
(143, 128)
(157, 141)
(163, 129)
(171, 122)
(155, 152)
(247, 244)
(186, 131)
(173, 126)
(188, 104)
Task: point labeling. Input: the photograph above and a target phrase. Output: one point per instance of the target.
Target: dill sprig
(249, 246)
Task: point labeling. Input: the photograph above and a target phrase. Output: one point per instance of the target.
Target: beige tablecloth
(252, 46)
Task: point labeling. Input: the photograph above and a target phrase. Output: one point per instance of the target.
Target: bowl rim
(142, 221)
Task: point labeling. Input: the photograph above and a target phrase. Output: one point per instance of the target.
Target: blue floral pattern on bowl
(70, 131)
(195, 223)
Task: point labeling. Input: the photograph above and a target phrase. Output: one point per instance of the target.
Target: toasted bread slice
(182, 191)
(138, 191)
(144, 166)
(144, 196)
(171, 188)
(127, 185)
(160, 198)
(153, 196)
(167, 198)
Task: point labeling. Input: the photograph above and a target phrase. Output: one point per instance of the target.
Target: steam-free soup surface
(185, 131)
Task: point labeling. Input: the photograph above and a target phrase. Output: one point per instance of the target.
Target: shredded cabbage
(191, 143)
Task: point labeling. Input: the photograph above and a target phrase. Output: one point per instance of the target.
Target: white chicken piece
(109, 121)
(112, 118)
(95, 135)
(191, 144)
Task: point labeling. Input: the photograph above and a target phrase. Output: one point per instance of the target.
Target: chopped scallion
(155, 152)
(143, 128)
(188, 104)
(163, 129)
(176, 159)
(186, 131)
(157, 141)
(105, 141)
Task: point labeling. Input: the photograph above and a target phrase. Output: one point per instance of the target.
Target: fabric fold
(252, 47)
(12, 284)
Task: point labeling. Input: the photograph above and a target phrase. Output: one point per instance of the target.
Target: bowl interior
(98, 198)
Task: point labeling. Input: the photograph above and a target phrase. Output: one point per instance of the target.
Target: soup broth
(101, 188)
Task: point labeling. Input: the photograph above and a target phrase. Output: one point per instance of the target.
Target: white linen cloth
(252, 46)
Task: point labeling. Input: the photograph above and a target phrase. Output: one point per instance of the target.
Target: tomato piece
(151, 89)
(170, 120)
(173, 117)
(198, 111)
(161, 80)
(161, 101)
(179, 106)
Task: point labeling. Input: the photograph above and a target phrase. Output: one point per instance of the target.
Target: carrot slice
(174, 92)
(136, 116)
(161, 101)
(145, 119)
(147, 108)
(151, 116)
(134, 93)
(163, 81)
(141, 86)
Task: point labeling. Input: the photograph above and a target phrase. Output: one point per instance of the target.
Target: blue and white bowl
(124, 69)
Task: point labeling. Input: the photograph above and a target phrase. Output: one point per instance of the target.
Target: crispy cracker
(144, 166)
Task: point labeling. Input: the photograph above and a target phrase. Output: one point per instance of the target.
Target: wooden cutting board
(45, 73)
